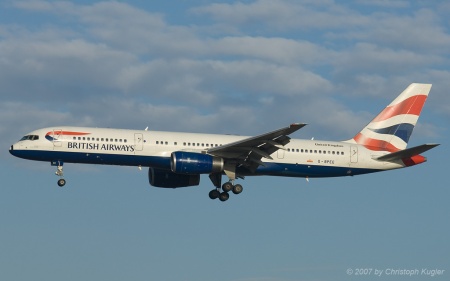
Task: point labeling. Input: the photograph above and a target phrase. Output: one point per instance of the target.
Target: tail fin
(391, 129)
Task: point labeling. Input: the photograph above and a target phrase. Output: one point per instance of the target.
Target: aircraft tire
(214, 194)
(224, 196)
(237, 189)
(227, 187)
(61, 182)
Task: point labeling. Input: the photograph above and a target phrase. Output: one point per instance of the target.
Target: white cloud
(262, 57)
(385, 3)
(280, 50)
(281, 15)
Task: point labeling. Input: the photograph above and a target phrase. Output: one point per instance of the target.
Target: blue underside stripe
(270, 169)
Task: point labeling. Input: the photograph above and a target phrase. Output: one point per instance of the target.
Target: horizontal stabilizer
(407, 153)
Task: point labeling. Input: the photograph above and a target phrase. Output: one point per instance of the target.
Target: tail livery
(391, 129)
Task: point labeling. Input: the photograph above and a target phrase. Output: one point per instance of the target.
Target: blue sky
(221, 67)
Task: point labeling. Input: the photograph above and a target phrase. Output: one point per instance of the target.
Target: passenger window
(157, 142)
(74, 138)
(167, 143)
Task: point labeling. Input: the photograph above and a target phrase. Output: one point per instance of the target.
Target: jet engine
(191, 163)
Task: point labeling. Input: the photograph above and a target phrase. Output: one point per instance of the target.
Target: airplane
(177, 159)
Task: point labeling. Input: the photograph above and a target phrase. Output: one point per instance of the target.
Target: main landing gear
(224, 195)
(216, 179)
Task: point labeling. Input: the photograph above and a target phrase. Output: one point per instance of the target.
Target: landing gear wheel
(214, 194)
(61, 182)
(224, 196)
(226, 187)
(237, 189)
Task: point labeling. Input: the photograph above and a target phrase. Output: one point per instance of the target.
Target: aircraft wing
(406, 153)
(250, 151)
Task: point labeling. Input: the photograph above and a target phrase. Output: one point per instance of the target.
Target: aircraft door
(138, 141)
(280, 153)
(57, 138)
(353, 154)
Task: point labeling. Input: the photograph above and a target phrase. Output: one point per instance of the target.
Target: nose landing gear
(59, 172)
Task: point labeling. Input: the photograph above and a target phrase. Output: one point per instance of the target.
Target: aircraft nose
(11, 150)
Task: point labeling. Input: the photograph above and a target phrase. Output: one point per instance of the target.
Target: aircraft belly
(300, 170)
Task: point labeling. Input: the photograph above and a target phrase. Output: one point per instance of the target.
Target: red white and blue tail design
(391, 129)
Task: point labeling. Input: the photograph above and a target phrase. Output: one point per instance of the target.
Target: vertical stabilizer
(391, 129)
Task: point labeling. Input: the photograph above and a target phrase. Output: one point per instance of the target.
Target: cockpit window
(30, 137)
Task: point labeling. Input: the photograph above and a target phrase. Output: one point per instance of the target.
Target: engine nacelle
(167, 179)
(191, 163)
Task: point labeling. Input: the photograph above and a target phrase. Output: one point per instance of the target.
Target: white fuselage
(299, 158)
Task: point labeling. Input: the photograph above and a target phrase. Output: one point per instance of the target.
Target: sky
(228, 67)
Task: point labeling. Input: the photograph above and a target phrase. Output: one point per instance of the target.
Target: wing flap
(258, 140)
(250, 151)
(407, 153)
